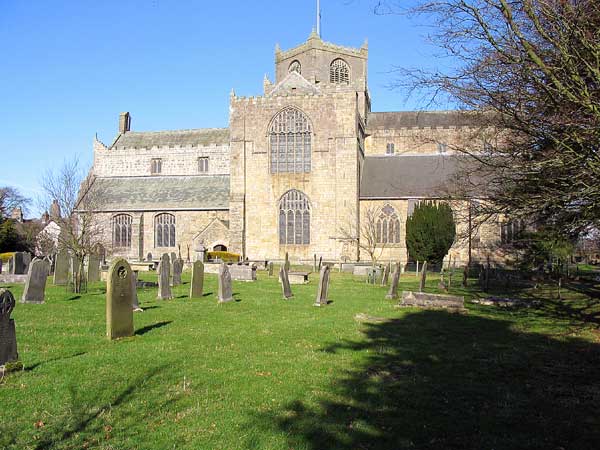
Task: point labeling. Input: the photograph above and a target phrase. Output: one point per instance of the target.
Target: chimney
(55, 210)
(124, 122)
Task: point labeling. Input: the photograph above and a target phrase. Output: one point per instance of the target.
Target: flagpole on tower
(319, 18)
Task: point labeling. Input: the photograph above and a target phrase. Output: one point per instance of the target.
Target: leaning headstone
(197, 284)
(386, 275)
(36, 282)
(286, 264)
(61, 268)
(135, 303)
(119, 300)
(323, 286)
(93, 273)
(164, 269)
(177, 268)
(26, 261)
(285, 283)
(225, 291)
(271, 268)
(423, 276)
(393, 292)
(8, 337)
(320, 262)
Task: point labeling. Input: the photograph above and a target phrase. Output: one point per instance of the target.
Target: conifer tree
(430, 232)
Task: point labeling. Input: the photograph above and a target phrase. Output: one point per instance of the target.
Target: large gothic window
(388, 226)
(121, 228)
(290, 136)
(339, 72)
(164, 230)
(294, 218)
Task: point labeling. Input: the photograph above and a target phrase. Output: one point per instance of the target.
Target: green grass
(264, 373)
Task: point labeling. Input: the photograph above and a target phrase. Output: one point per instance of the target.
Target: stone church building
(299, 170)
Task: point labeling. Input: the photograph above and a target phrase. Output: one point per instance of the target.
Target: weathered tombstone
(424, 300)
(26, 261)
(11, 265)
(197, 284)
(417, 270)
(286, 264)
(149, 257)
(386, 275)
(8, 337)
(164, 269)
(225, 291)
(242, 272)
(119, 300)
(0, 267)
(323, 289)
(134, 297)
(314, 262)
(423, 276)
(285, 283)
(18, 267)
(173, 257)
(465, 276)
(320, 262)
(393, 292)
(177, 268)
(48, 262)
(271, 269)
(93, 273)
(36, 282)
(61, 268)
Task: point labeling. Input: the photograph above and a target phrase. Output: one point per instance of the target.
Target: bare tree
(365, 234)
(527, 70)
(78, 198)
(11, 198)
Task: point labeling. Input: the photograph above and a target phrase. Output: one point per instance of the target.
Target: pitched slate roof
(157, 193)
(293, 83)
(419, 119)
(414, 176)
(149, 139)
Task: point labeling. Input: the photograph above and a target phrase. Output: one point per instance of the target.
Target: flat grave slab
(298, 277)
(433, 301)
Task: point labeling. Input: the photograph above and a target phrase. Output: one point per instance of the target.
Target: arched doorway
(219, 248)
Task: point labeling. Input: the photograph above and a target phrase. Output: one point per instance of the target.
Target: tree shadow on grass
(148, 328)
(434, 380)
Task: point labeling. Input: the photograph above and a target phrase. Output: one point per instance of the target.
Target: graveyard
(267, 372)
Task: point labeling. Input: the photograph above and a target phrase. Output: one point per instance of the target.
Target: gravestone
(285, 283)
(177, 268)
(11, 265)
(149, 257)
(386, 275)
(424, 300)
(18, 267)
(119, 300)
(298, 277)
(197, 284)
(61, 268)
(323, 286)
(172, 259)
(242, 272)
(315, 262)
(393, 292)
(48, 262)
(8, 337)
(423, 277)
(0, 267)
(26, 261)
(134, 297)
(93, 274)
(225, 291)
(36, 282)
(164, 272)
(286, 264)
(320, 262)
(271, 269)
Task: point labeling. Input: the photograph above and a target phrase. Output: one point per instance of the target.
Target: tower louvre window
(290, 140)
(203, 164)
(295, 67)
(389, 148)
(339, 72)
(156, 166)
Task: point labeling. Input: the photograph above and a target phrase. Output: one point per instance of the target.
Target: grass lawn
(264, 373)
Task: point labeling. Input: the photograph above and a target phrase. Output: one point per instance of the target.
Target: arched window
(121, 230)
(294, 218)
(164, 230)
(388, 226)
(295, 67)
(290, 137)
(339, 72)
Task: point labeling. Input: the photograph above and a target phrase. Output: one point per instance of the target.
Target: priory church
(299, 170)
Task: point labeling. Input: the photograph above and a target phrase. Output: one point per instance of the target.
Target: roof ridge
(183, 130)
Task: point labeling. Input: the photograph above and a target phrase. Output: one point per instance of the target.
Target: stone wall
(175, 160)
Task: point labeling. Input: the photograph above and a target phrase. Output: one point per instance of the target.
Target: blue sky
(69, 67)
